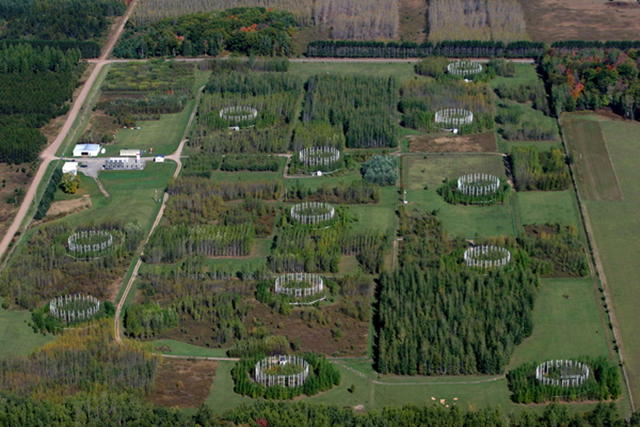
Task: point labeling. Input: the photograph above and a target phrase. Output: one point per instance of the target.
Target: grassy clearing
(18, 338)
(178, 348)
(525, 73)
(566, 323)
(132, 195)
(615, 228)
(162, 135)
(542, 207)
(591, 161)
(459, 220)
(403, 71)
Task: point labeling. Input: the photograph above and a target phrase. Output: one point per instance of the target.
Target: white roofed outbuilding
(70, 167)
(86, 150)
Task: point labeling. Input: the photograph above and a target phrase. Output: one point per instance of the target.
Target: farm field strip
(591, 160)
(614, 224)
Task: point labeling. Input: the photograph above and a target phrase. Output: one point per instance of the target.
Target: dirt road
(48, 155)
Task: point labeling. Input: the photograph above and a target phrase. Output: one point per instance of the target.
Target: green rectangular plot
(543, 207)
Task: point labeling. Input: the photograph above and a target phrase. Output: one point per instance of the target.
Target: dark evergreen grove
(457, 312)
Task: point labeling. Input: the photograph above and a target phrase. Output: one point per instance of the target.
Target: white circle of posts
(312, 212)
(563, 373)
(476, 257)
(478, 184)
(238, 114)
(264, 366)
(284, 282)
(464, 68)
(59, 307)
(454, 116)
(319, 156)
(79, 248)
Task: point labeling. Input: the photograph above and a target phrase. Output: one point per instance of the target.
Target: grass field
(594, 171)
(615, 228)
(542, 207)
(458, 220)
(18, 339)
(403, 71)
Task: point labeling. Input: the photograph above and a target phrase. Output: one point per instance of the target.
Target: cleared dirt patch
(475, 143)
(537, 230)
(68, 206)
(183, 383)
(592, 163)
(551, 20)
(13, 178)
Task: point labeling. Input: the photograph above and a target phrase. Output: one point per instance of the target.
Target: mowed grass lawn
(17, 337)
(459, 220)
(162, 135)
(616, 229)
(402, 71)
(132, 195)
(542, 207)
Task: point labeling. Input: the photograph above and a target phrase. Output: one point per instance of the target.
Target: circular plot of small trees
(90, 243)
(454, 116)
(283, 370)
(299, 285)
(563, 373)
(319, 156)
(237, 114)
(487, 256)
(464, 68)
(312, 212)
(74, 308)
(479, 184)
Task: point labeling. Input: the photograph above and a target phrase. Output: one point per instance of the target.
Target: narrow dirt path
(101, 187)
(175, 156)
(48, 155)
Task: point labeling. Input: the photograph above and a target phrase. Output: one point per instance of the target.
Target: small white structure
(563, 373)
(70, 167)
(129, 152)
(487, 257)
(86, 150)
(272, 371)
(159, 158)
(124, 163)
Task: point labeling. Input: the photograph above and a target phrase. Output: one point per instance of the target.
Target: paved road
(48, 155)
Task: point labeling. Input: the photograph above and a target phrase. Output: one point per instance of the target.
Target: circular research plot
(299, 285)
(487, 256)
(287, 371)
(313, 157)
(464, 68)
(74, 308)
(478, 184)
(563, 373)
(91, 243)
(454, 117)
(238, 114)
(312, 212)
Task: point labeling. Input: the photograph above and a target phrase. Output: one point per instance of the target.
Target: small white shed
(159, 158)
(70, 167)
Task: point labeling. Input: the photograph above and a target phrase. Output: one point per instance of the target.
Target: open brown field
(474, 143)
(183, 383)
(552, 20)
(594, 172)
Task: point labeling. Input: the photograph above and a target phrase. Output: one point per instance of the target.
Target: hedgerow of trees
(354, 192)
(244, 30)
(603, 384)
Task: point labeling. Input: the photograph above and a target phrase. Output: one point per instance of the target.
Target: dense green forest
(539, 170)
(35, 85)
(116, 410)
(443, 303)
(59, 19)
(244, 30)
